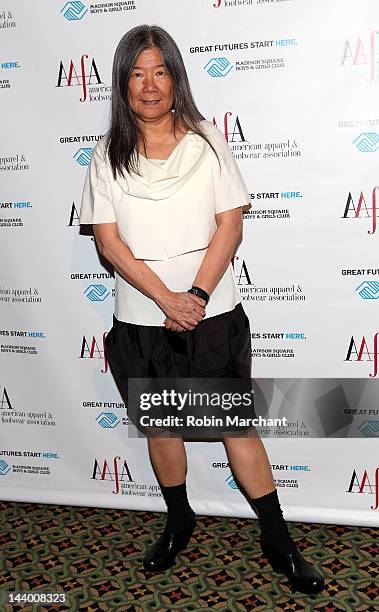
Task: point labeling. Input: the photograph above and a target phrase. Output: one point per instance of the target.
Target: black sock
(273, 526)
(179, 512)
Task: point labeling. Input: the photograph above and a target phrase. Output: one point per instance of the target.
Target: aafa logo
(362, 209)
(92, 350)
(357, 54)
(115, 474)
(232, 133)
(5, 402)
(74, 216)
(243, 276)
(365, 486)
(71, 78)
(363, 353)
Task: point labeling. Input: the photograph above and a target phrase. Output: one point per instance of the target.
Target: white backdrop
(294, 87)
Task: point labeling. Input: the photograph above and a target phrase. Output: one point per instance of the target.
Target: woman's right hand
(182, 307)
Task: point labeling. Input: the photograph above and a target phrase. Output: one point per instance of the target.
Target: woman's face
(150, 89)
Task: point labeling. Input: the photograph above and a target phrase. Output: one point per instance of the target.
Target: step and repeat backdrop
(294, 87)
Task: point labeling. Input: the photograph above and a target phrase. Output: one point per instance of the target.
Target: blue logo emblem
(83, 156)
(231, 482)
(369, 290)
(108, 420)
(218, 67)
(96, 293)
(74, 11)
(370, 429)
(368, 142)
(4, 467)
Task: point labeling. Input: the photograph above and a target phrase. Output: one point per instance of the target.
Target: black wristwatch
(200, 292)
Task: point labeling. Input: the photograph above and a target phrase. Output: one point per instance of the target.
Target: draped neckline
(172, 152)
(160, 181)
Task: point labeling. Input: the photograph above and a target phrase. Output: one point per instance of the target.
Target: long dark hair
(124, 132)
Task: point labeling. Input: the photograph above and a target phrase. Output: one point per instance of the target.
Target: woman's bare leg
(169, 459)
(249, 462)
(247, 457)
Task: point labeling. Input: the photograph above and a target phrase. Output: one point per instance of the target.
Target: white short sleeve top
(166, 216)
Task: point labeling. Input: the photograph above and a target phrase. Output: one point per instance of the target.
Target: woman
(165, 197)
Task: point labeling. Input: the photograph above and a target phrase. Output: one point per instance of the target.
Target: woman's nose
(148, 82)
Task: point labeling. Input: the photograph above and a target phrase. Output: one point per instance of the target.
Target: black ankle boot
(299, 572)
(162, 554)
(279, 548)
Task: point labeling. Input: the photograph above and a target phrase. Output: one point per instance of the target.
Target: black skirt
(218, 348)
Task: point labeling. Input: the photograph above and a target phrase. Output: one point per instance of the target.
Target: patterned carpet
(94, 556)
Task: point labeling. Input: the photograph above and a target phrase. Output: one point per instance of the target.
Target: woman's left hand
(170, 324)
